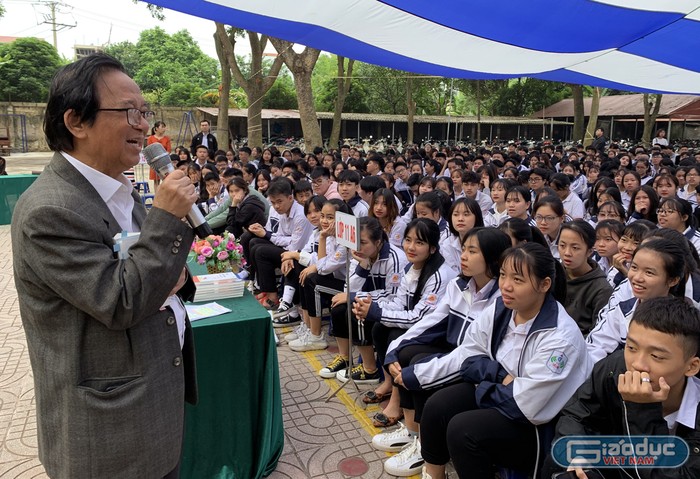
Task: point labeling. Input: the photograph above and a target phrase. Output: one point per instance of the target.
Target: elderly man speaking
(109, 340)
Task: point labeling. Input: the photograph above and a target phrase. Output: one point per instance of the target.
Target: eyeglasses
(134, 115)
(664, 212)
(545, 219)
(534, 180)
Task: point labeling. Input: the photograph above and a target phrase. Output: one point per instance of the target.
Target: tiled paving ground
(318, 435)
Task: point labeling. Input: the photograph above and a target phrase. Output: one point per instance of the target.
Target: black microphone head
(156, 156)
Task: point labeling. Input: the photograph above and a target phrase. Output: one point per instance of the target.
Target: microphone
(159, 160)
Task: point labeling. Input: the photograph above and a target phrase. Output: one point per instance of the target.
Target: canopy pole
(268, 131)
(491, 132)
(392, 132)
(551, 129)
(518, 137)
(668, 133)
(612, 127)
(358, 130)
(635, 129)
(428, 131)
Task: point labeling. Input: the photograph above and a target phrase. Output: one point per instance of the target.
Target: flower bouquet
(219, 253)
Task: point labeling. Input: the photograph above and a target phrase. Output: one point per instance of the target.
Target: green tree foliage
(26, 70)
(525, 96)
(376, 89)
(170, 69)
(282, 95)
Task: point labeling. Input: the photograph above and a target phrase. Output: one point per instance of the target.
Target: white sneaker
(392, 441)
(406, 463)
(308, 343)
(298, 332)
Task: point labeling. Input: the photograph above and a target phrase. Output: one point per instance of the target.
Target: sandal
(382, 420)
(373, 397)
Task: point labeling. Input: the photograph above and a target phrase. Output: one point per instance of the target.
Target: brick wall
(33, 114)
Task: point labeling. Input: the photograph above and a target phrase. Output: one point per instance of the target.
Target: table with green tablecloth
(235, 431)
(11, 187)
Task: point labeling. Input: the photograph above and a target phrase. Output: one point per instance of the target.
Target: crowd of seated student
(487, 284)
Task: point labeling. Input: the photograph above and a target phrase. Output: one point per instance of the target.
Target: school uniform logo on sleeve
(337, 255)
(431, 299)
(557, 362)
(394, 280)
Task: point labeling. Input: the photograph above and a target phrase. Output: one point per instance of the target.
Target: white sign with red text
(347, 230)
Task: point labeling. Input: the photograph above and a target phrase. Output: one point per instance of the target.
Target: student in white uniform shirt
(523, 358)
(573, 206)
(607, 236)
(470, 184)
(430, 205)
(549, 213)
(677, 214)
(437, 335)
(630, 183)
(464, 215)
(518, 201)
(658, 268)
(623, 291)
(498, 212)
(649, 389)
(689, 191)
(328, 270)
(383, 207)
(349, 190)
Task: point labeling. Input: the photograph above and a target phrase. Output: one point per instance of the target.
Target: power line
(50, 18)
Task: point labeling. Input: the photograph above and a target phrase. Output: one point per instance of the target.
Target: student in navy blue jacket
(375, 270)
(436, 335)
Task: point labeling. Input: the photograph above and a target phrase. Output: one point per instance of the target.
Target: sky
(99, 22)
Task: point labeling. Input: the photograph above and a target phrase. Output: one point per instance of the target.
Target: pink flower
(201, 259)
(223, 255)
(207, 251)
(215, 243)
(230, 245)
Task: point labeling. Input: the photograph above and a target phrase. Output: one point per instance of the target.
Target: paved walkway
(319, 436)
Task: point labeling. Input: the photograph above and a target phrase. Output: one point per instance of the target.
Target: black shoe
(284, 321)
(359, 375)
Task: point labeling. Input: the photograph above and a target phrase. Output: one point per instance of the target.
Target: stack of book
(211, 287)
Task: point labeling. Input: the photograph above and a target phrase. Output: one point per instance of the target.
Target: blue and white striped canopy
(639, 45)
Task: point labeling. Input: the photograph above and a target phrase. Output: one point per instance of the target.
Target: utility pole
(50, 19)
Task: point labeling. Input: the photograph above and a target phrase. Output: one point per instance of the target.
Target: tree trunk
(593, 118)
(577, 93)
(344, 81)
(259, 82)
(651, 112)
(411, 109)
(478, 112)
(302, 66)
(222, 128)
